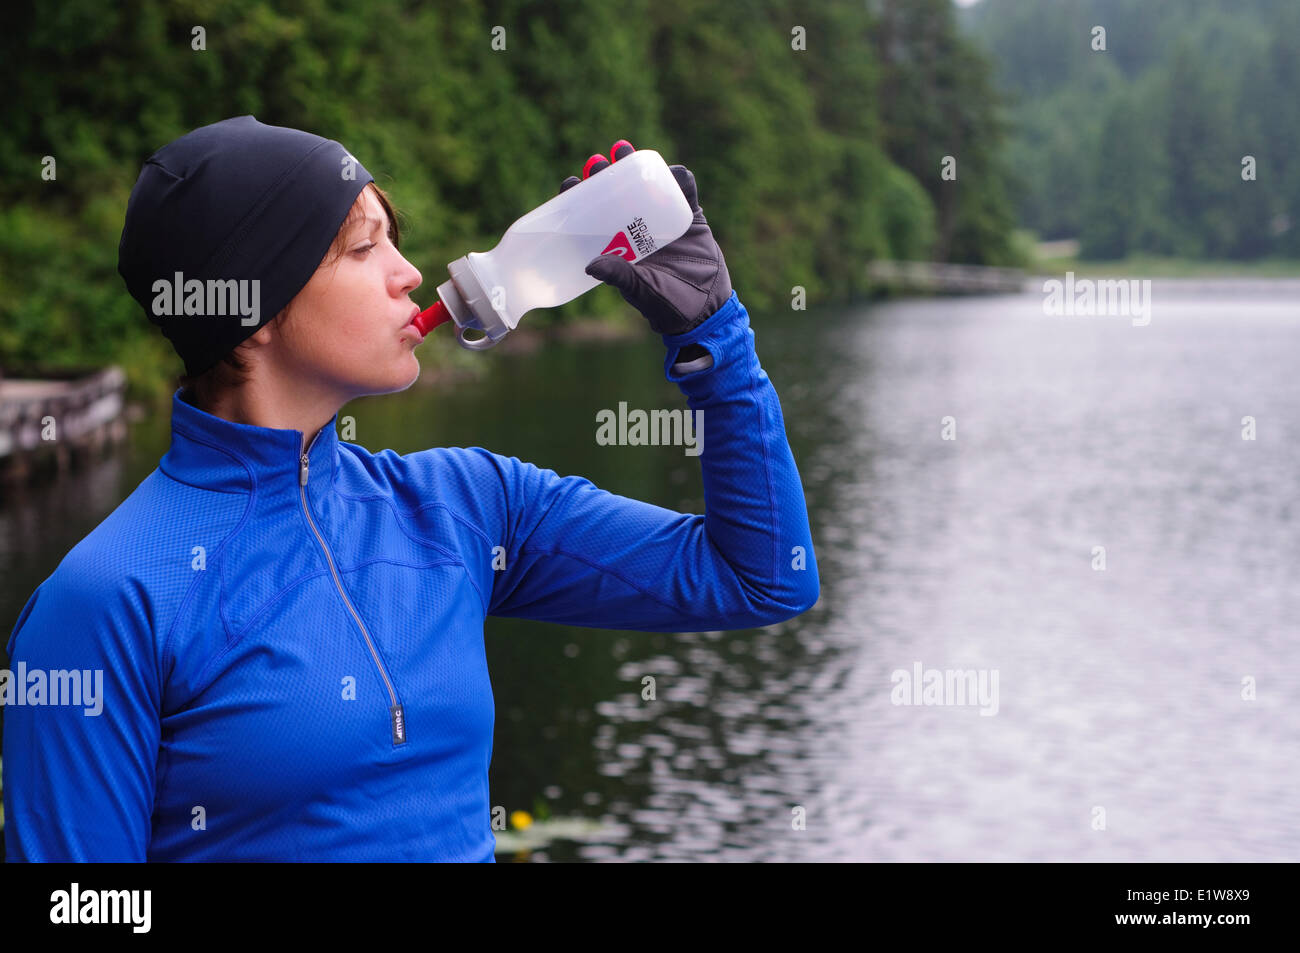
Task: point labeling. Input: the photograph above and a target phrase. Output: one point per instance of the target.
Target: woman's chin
(404, 376)
(399, 380)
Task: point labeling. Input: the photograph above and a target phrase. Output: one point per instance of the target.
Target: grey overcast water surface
(1120, 692)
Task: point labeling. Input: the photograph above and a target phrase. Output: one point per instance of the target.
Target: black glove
(676, 287)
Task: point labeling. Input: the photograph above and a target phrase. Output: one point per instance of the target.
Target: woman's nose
(409, 277)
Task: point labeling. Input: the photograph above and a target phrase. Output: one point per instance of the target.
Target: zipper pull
(399, 724)
(302, 470)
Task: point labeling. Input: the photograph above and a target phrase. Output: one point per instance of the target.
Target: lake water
(1125, 727)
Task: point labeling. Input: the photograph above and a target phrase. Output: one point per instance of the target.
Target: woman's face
(347, 329)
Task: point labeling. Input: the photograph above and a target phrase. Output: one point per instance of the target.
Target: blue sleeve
(579, 555)
(79, 784)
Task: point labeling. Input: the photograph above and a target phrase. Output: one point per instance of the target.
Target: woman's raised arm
(577, 554)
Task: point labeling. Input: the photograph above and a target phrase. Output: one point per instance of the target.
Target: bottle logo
(619, 245)
(640, 234)
(634, 231)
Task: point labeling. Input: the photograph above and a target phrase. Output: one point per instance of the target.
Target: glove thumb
(614, 270)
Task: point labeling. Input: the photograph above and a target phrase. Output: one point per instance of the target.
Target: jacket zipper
(397, 717)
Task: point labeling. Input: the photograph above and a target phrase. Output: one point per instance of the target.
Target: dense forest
(817, 133)
(1141, 147)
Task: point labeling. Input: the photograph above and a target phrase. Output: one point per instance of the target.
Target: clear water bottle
(631, 208)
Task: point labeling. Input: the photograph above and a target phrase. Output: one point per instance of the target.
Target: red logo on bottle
(619, 245)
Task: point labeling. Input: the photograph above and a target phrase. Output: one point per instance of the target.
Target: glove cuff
(685, 350)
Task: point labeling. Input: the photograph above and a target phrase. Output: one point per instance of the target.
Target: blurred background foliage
(810, 162)
(1138, 149)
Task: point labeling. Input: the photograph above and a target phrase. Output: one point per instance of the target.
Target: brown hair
(234, 369)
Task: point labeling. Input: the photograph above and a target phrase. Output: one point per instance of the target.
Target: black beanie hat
(226, 224)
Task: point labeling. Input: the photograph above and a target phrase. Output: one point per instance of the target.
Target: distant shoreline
(1157, 267)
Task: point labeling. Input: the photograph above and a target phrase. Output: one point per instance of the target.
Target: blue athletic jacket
(292, 644)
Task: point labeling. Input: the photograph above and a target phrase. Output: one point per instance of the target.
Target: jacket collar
(219, 454)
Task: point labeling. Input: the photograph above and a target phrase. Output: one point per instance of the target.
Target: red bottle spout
(431, 317)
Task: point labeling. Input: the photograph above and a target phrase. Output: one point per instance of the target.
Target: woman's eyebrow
(364, 226)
